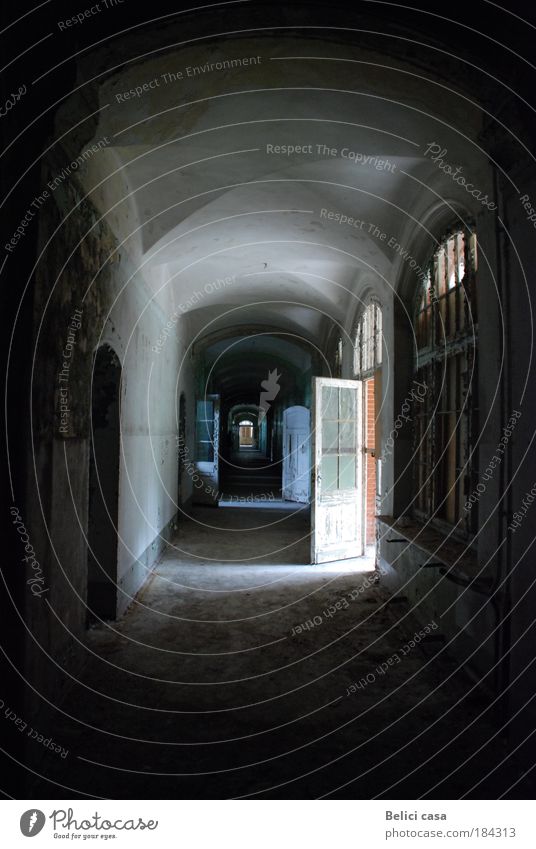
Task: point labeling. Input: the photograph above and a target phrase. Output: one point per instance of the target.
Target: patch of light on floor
(353, 564)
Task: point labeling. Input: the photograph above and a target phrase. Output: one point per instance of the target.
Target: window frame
(445, 456)
(368, 340)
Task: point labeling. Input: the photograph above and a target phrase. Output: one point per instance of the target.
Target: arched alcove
(103, 500)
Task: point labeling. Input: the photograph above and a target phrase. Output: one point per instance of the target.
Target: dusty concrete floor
(203, 691)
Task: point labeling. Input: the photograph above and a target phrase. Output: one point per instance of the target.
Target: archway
(103, 486)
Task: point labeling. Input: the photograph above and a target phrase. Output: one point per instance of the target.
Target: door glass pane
(330, 403)
(205, 410)
(205, 431)
(347, 471)
(330, 437)
(348, 433)
(348, 404)
(329, 473)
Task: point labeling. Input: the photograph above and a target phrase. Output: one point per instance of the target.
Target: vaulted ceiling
(199, 184)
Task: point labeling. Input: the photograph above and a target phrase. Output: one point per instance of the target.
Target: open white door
(337, 508)
(207, 430)
(297, 454)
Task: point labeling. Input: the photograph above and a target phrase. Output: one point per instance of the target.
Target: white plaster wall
(149, 429)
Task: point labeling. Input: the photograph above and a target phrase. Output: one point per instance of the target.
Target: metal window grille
(368, 341)
(446, 421)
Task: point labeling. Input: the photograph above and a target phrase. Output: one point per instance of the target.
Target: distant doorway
(104, 452)
(246, 435)
(297, 454)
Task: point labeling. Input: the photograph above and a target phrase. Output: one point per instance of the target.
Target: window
(367, 360)
(446, 414)
(368, 341)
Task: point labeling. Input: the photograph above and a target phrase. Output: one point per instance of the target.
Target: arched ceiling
(213, 194)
